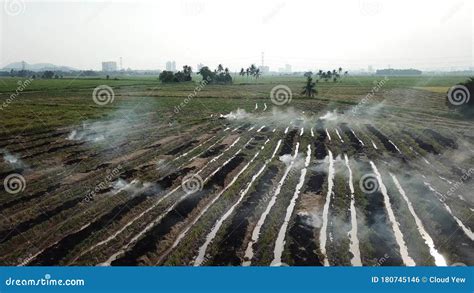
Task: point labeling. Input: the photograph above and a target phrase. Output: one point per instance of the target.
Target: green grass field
(62, 102)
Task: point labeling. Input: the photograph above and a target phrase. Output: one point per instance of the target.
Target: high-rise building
(264, 69)
(171, 66)
(109, 66)
(286, 69)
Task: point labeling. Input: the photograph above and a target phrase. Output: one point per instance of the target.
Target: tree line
(310, 90)
(220, 75)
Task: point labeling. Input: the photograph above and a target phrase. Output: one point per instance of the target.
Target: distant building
(286, 69)
(109, 66)
(370, 69)
(399, 72)
(171, 66)
(264, 69)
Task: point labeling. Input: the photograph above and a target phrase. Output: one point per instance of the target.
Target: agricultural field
(372, 171)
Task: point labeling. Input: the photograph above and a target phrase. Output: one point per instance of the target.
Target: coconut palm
(252, 69)
(309, 89)
(257, 73)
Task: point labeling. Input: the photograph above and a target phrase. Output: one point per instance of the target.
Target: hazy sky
(309, 34)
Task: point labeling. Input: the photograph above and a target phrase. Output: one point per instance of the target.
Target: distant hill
(37, 67)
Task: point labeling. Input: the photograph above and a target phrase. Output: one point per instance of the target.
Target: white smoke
(298, 162)
(12, 159)
(239, 114)
(330, 116)
(115, 129)
(356, 115)
(134, 187)
(311, 218)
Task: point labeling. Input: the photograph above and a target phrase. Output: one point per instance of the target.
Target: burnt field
(229, 177)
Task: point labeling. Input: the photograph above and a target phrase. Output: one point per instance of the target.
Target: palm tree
(309, 89)
(187, 69)
(257, 74)
(220, 68)
(320, 73)
(328, 76)
(242, 72)
(252, 69)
